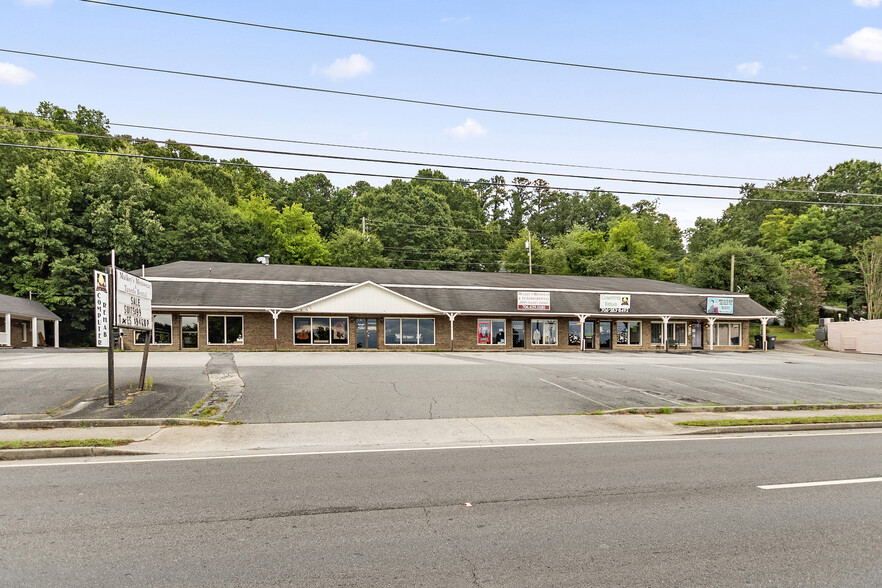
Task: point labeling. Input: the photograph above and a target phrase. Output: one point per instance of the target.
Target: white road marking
(788, 380)
(824, 483)
(739, 384)
(734, 437)
(576, 393)
(611, 383)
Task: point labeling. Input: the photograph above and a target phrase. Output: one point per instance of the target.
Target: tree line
(154, 203)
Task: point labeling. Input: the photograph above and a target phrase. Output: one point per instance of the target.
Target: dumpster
(770, 339)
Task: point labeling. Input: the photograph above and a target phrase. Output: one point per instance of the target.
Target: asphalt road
(684, 512)
(304, 387)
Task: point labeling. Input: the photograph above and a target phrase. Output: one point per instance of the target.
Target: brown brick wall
(258, 335)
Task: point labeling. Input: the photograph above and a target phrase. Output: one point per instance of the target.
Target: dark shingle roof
(23, 307)
(232, 285)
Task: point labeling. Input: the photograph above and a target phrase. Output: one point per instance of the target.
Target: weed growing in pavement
(596, 412)
(665, 410)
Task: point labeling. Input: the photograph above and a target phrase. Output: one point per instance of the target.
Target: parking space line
(641, 391)
(576, 393)
(823, 483)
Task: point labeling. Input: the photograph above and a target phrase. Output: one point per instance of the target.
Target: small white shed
(23, 322)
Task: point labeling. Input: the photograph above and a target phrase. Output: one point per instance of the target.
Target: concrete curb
(745, 408)
(52, 452)
(75, 423)
(778, 428)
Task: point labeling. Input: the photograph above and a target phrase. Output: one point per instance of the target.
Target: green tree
(804, 297)
(869, 256)
(758, 272)
(349, 248)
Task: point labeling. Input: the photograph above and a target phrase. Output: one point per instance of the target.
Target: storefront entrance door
(604, 329)
(697, 342)
(366, 333)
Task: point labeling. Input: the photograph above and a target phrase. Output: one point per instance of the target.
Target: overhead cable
(489, 55)
(444, 104)
(424, 165)
(440, 180)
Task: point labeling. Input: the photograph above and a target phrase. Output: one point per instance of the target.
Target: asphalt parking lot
(306, 387)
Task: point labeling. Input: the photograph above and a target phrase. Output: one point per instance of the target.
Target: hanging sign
(615, 302)
(534, 300)
(133, 302)
(721, 306)
(102, 311)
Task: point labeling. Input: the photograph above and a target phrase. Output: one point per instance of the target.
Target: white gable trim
(317, 306)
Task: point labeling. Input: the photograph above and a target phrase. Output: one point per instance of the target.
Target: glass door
(588, 335)
(697, 340)
(365, 333)
(605, 331)
(517, 334)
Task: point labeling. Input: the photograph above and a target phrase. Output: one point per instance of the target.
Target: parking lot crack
(477, 428)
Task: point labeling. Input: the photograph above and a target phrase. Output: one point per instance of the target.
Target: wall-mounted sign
(534, 300)
(721, 306)
(133, 302)
(102, 311)
(615, 302)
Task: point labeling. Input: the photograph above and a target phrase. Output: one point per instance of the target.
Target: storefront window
(225, 330)
(162, 331)
(573, 335)
(677, 332)
(321, 330)
(491, 332)
(628, 332)
(410, 331)
(655, 337)
(543, 332)
(189, 332)
(727, 334)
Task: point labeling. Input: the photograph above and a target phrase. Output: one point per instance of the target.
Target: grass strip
(64, 443)
(855, 418)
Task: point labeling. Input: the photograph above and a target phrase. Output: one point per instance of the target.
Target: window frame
(388, 320)
(312, 327)
(491, 343)
(181, 330)
(224, 316)
(671, 332)
(140, 336)
(545, 323)
(728, 343)
(639, 324)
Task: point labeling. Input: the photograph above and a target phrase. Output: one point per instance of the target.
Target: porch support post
(665, 320)
(275, 314)
(582, 318)
(56, 333)
(765, 322)
(8, 338)
(710, 327)
(451, 316)
(34, 332)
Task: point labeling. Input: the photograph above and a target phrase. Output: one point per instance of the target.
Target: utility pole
(362, 228)
(529, 245)
(111, 293)
(732, 275)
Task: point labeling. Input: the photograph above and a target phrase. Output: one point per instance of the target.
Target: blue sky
(818, 42)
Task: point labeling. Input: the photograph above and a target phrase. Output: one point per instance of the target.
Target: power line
(517, 173)
(446, 104)
(427, 179)
(413, 152)
(490, 55)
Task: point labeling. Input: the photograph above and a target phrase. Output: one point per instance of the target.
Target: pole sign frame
(133, 297)
(102, 310)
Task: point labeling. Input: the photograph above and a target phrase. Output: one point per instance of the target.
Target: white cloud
(35, 2)
(866, 44)
(470, 128)
(867, 3)
(348, 67)
(14, 75)
(749, 69)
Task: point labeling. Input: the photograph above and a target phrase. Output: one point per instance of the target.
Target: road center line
(824, 483)
(576, 393)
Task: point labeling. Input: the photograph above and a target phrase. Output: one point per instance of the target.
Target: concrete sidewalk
(359, 435)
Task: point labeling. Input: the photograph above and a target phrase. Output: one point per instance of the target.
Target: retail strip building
(212, 306)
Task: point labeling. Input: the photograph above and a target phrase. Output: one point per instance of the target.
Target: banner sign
(721, 306)
(133, 300)
(615, 302)
(534, 300)
(484, 332)
(102, 311)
